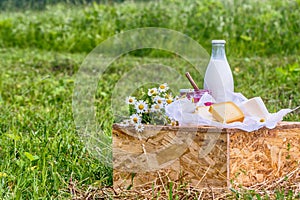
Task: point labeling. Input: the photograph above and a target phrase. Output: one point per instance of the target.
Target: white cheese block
(227, 112)
(255, 107)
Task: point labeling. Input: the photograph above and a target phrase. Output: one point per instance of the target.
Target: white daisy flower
(159, 100)
(176, 98)
(125, 123)
(141, 106)
(152, 91)
(167, 96)
(163, 87)
(135, 119)
(156, 107)
(173, 123)
(130, 100)
(139, 127)
(169, 101)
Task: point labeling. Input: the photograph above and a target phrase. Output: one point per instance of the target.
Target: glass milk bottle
(218, 76)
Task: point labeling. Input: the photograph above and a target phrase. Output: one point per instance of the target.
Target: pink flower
(208, 103)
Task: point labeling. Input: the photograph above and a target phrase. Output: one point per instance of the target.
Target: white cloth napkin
(182, 111)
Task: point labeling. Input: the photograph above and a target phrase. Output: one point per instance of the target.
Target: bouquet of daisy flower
(150, 108)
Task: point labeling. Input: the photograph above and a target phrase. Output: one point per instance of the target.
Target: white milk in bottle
(218, 76)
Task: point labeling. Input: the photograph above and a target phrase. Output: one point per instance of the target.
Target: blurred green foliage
(253, 28)
(41, 4)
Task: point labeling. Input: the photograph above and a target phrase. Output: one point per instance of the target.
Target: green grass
(40, 150)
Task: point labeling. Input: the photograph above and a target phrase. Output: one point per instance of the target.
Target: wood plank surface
(203, 156)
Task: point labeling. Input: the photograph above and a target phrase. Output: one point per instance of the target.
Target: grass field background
(42, 49)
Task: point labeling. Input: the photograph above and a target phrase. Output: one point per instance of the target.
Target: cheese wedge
(227, 112)
(255, 107)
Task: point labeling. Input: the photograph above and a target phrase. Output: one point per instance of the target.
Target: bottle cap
(218, 41)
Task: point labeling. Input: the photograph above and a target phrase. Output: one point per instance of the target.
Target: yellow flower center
(141, 106)
(169, 101)
(135, 120)
(162, 87)
(156, 106)
(152, 91)
(159, 101)
(130, 100)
